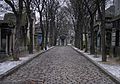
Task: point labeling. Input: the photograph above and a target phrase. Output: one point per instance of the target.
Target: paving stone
(61, 65)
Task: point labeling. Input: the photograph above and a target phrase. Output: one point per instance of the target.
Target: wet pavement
(60, 65)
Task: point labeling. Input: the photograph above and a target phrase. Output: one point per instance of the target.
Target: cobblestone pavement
(61, 65)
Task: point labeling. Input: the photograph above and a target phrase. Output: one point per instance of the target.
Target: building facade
(116, 29)
(7, 37)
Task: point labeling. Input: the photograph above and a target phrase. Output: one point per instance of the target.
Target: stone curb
(2, 76)
(114, 78)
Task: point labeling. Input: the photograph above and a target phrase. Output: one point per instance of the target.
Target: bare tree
(40, 5)
(53, 7)
(47, 23)
(91, 7)
(29, 11)
(101, 11)
(78, 14)
(17, 10)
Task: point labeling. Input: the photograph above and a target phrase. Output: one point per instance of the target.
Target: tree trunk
(77, 39)
(41, 26)
(104, 57)
(30, 20)
(92, 45)
(51, 33)
(16, 32)
(55, 37)
(86, 44)
(101, 12)
(16, 44)
(31, 36)
(81, 37)
(46, 36)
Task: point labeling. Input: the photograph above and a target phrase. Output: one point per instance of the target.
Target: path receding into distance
(60, 65)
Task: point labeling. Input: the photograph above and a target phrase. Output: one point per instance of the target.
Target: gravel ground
(61, 65)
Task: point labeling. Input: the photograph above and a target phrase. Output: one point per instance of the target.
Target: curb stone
(2, 76)
(114, 78)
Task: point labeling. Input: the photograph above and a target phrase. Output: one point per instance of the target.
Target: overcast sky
(109, 3)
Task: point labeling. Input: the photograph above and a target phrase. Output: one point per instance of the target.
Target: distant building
(116, 29)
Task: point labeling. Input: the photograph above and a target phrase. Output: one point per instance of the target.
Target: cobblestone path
(61, 65)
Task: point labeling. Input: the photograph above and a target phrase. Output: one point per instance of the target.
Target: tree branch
(12, 6)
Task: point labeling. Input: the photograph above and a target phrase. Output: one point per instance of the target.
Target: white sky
(109, 3)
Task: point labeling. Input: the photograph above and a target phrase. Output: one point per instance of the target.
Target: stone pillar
(10, 44)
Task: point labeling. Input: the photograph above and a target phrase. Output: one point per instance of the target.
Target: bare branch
(12, 6)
